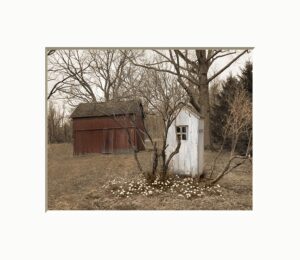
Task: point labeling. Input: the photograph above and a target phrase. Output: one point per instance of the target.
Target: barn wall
(93, 123)
(189, 159)
(103, 135)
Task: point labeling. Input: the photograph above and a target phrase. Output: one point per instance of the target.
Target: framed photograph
(149, 128)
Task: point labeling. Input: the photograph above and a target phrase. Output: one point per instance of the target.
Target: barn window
(181, 132)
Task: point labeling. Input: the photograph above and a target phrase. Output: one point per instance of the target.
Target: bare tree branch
(227, 66)
(220, 56)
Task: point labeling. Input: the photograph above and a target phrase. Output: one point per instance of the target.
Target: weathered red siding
(106, 135)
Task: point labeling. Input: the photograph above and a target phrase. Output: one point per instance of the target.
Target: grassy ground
(77, 183)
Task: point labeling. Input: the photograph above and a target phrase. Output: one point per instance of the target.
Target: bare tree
(109, 70)
(192, 70)
(70, 70)
(88, 75)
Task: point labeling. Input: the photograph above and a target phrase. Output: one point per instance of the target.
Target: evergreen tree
(246, 77)
(220, 109)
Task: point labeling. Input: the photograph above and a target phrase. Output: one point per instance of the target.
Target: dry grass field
(76, 183)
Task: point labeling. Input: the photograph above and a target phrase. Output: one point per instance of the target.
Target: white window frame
(181, 133)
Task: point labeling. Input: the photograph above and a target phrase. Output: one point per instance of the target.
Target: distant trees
(59, 127)
(230, 89)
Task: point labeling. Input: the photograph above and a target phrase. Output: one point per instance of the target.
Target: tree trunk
(204, 101)
(106, 96)
(154, 162)
(163, 156)
(206, 114)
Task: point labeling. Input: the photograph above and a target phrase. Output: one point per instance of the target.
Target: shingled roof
(109, 108)
(194, 111)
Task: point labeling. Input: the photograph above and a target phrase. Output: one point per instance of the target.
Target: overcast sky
(234, 68)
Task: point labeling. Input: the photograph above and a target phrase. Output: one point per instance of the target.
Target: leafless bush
(240, 117)
(163, 97)
(238, 122)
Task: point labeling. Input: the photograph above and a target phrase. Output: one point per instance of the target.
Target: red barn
(108, 127)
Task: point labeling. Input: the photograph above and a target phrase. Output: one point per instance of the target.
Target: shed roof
(109, 108)
(194, 111)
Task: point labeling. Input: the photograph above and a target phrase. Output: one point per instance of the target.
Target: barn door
(108, 141)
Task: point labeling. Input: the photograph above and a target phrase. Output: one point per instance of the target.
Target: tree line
(59, 125)
(114, 74)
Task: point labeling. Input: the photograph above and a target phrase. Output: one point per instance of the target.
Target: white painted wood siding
(189, 160)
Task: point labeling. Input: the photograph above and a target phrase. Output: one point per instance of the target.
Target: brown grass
(76, 183)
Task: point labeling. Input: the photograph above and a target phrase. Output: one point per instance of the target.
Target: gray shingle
(109, 108)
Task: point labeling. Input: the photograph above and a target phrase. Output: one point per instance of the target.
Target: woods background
(132, 85)
(112, 75)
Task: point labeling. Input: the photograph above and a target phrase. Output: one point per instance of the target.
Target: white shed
(189, 127)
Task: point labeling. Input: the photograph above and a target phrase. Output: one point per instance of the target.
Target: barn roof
(109, 108)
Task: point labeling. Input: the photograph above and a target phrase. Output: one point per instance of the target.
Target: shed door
(108, 141)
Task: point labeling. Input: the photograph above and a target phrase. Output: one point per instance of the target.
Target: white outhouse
(189, 127)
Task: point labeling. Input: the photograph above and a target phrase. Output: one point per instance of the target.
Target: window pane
(178, 137)
(183, 136)
(178, 129)
(184, 129)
